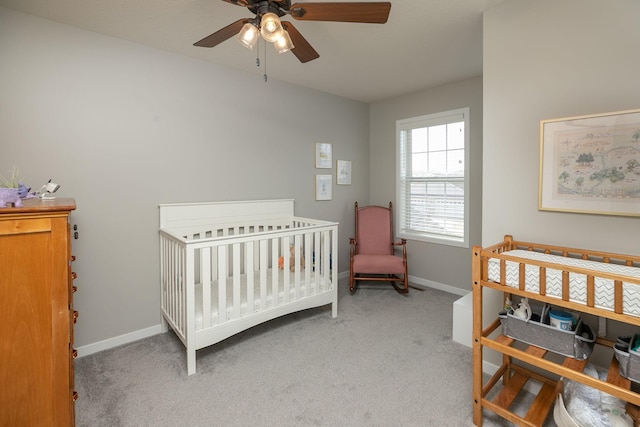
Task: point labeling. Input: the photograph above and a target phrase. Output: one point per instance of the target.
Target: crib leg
(191, 362)
(334, 308)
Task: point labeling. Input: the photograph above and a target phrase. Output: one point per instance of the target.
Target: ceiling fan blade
(302, 50)
(366, 12)
(222, 34)
(243, 3)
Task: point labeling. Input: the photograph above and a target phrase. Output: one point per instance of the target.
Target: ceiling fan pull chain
(265, 61)
(257, 54)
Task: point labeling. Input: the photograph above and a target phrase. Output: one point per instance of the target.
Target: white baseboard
(435, 285)
(423, 283)
(86, 350)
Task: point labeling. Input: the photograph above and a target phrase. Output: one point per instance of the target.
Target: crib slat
(299, 265)
(326, 259)
(264, 267)
(590, 291)
(237, 275)
(222, 282)
(286, 254)
(316, 268)
(617, 295)
(307, 264)
(249, 270)
(274, 272)
(205, 282)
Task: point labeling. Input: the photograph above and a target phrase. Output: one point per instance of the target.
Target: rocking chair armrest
(403, 243)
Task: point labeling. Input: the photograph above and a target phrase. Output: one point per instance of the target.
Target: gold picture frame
(591, 164)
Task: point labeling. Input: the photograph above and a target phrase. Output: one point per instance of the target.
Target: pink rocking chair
(372, 254)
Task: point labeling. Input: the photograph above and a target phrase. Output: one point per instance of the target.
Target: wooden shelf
(519, 361)
(515, 376)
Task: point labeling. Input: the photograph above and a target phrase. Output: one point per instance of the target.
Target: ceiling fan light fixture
(284, 43)
(270, 27)
(248, 35)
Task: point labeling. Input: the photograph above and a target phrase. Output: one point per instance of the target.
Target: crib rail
(230, 272)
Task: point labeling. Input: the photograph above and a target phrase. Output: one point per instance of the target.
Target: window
(432, 187)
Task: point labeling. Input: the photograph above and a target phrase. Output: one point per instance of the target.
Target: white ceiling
(425, 43)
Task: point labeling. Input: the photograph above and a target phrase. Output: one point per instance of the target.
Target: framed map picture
(591, 164)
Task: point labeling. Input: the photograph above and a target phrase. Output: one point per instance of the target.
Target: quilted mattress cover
(604, 288)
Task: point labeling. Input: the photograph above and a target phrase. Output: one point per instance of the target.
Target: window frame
(435, 119)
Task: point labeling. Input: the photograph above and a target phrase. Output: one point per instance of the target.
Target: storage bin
(577, 344)
(628, 359)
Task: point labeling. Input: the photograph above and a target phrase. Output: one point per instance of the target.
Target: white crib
(219, 271)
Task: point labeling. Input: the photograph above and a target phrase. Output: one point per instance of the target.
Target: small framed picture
(323, 187)
(343, 172)
(323, 155)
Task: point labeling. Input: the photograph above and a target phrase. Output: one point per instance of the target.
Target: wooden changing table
(513, 374)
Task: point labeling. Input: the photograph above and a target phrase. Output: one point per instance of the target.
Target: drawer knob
(75, 316)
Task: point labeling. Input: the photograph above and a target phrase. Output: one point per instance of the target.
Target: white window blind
(432, 153)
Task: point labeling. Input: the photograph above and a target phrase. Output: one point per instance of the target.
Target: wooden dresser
(36, 314)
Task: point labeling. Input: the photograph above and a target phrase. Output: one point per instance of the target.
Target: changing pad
(604, 288)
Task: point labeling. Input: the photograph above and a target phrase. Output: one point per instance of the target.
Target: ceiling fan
(283, 34)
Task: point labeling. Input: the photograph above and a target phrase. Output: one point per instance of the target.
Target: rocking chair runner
(372, 254)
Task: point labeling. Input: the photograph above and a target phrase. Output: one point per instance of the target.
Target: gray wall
(440, 266)
(547, 59)
(123, 127)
